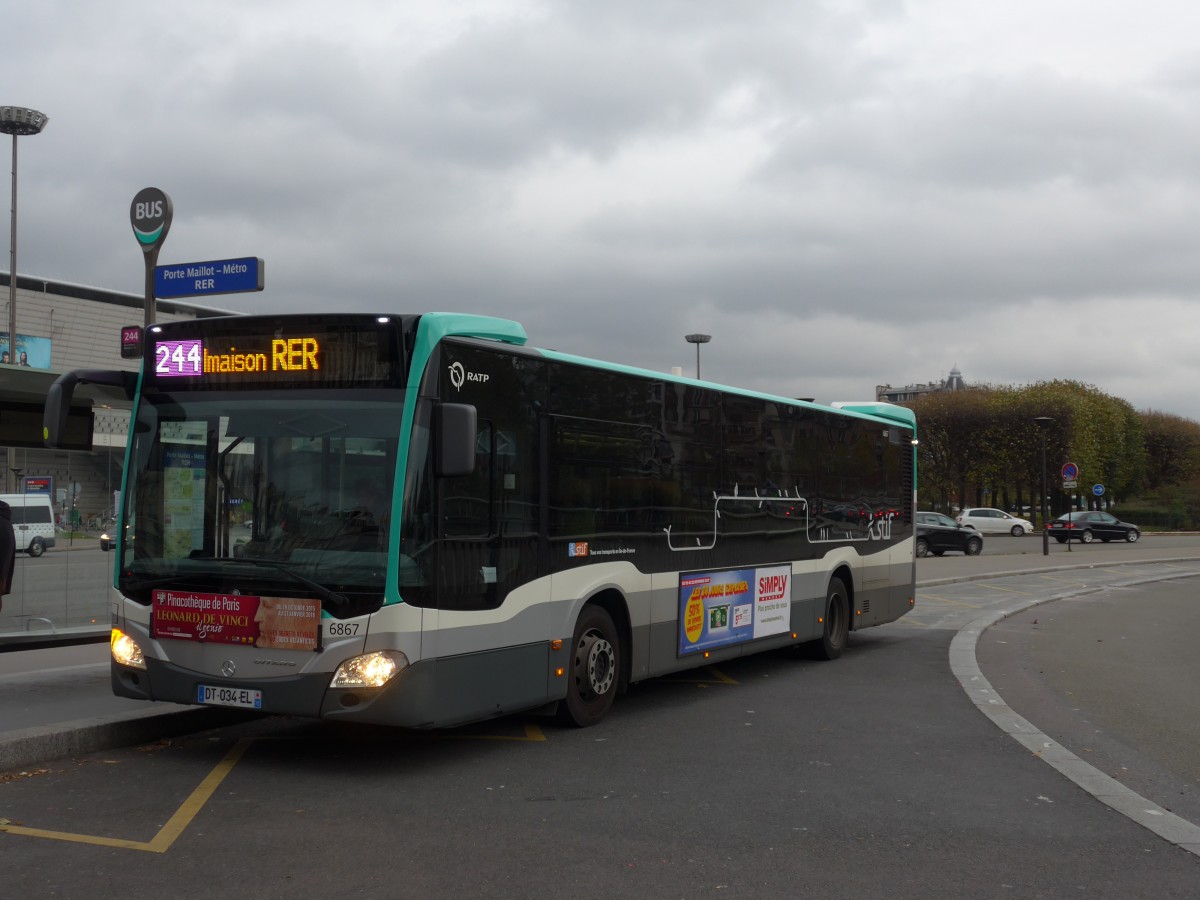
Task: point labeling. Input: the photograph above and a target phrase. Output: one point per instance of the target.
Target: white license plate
(227, 696)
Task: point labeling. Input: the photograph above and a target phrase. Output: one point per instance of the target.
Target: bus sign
(218, 276)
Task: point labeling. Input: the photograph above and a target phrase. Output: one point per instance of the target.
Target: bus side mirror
(455, 432)
(57, 413)
(58, 406)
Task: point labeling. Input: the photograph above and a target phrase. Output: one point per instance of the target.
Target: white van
(33, 521)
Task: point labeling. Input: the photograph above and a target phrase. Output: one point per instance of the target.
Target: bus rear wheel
(594, 670)
(837, 623)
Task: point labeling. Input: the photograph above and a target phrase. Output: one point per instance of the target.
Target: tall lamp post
(1043, 424)
(697, 339)
(19, 122)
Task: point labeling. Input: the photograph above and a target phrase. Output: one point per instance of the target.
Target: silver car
(993, 521)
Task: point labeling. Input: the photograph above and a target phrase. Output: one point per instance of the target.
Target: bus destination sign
(191, 359)
(257, 352)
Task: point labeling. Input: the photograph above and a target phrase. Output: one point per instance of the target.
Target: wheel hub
(596, 661)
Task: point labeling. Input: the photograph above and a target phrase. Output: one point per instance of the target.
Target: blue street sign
(218, 276)
(1098, 490)
(1070, 471)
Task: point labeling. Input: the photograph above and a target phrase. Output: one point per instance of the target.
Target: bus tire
(594, 668)
(837, 623)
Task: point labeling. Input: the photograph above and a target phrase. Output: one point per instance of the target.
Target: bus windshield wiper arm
(155, 582)
(334, 598)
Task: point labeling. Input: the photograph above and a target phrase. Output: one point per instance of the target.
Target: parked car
(1088, 525)
(937, 534)
(994, 521)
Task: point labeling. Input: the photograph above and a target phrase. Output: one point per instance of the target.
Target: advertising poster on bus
(717, 609)
(280, 623)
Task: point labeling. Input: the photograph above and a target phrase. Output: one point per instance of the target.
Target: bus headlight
(371, 670)
(125, 650)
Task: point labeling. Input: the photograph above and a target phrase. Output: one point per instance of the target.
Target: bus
(420, 520)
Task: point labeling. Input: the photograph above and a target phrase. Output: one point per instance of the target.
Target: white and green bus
(419, 520)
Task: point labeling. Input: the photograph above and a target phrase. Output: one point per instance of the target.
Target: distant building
(885, 393)
(63, 326)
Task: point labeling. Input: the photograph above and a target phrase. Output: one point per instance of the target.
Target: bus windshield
(255, 491)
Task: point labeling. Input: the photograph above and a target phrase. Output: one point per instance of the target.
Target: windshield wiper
(155, 582)
(334, 598)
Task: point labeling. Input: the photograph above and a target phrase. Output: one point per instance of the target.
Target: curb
(45, 743)
(965, 665)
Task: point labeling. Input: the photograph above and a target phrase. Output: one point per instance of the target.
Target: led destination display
(190, 359)
(261, 351)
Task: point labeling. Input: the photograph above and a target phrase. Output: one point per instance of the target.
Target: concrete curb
(965, 665)
(45, 743)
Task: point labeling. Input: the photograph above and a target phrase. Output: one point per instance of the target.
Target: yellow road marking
(936, 599)
(190, 808)
(1003, 590)
(719, 677)
(532, 733)
(167, 835)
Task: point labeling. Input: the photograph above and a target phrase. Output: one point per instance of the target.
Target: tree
(977, 441)
(1172, 449)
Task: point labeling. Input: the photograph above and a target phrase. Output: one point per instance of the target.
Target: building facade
(885, 393)
(60, 327)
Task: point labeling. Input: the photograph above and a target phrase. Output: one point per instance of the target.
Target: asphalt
(57, 702)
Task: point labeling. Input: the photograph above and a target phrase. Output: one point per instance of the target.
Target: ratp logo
(459, 376)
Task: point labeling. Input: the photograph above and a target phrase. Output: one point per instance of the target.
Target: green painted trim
(431, 330)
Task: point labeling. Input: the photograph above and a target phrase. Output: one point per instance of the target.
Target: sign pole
(150, 214)
(1070, 474)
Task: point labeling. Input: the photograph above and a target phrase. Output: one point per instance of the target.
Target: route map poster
(718, 609)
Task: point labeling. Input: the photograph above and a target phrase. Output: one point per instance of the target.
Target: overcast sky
(843, 194)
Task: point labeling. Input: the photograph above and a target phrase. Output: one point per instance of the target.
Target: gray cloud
(842, 194)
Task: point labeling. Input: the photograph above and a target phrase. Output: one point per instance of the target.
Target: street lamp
(697, 339)
(1043, 424)
(19, 122)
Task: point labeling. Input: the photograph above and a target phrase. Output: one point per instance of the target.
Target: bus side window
(467, 503)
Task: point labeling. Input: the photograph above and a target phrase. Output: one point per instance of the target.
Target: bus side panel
(477, 664)
(810, 580)
(442, 693)
(872, 594)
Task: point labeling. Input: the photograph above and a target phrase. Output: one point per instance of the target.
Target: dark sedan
(937, 534)
(1088, 526)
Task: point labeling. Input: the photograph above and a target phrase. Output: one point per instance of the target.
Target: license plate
(243, 698)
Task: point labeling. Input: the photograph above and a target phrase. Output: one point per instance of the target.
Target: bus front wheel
(595, 667)
(837, 623)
